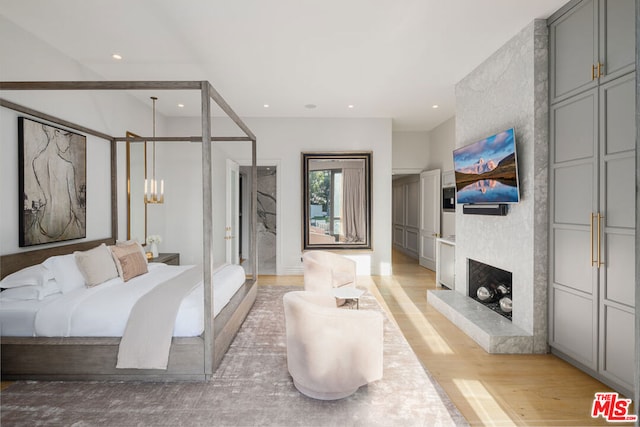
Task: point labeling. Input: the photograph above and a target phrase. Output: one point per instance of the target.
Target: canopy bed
(192, 356)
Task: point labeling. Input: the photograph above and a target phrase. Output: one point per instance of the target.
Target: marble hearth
(517, 242)
(493, 332)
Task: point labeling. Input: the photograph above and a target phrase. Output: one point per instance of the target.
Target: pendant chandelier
(151, 193)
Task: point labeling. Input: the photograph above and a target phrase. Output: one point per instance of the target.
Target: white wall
(420, 151)
(442, 141)
(25, 58)
(179, 221)
(282, 140)
(410, 152)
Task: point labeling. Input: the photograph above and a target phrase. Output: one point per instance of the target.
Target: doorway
(267, 218)
(233, 213)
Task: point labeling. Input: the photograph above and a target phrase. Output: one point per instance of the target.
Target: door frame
(276, 163)
(427, 234)
(232, 213)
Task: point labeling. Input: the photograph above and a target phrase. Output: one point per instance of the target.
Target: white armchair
(325, 270)
(331, 352)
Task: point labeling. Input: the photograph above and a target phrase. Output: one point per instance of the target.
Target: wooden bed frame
(87, 358)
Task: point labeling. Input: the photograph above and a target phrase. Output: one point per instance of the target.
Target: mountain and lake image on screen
(486, 171)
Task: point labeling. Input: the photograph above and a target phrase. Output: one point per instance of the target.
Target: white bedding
(103, 311)
(17, 317)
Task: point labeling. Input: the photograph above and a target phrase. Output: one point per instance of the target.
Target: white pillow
(96, 265)
(36, 275)
(31, 292)
(65, 271)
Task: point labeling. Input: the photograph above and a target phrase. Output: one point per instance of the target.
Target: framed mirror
(136, 175)
(336, 201)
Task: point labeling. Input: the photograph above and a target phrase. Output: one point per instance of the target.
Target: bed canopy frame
(191, 358)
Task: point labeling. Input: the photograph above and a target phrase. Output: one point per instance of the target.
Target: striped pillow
(129, 261)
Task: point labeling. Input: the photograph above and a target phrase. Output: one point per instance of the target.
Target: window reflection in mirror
(136, 174)
(336, 200)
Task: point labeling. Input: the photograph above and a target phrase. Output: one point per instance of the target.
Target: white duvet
(103, 310)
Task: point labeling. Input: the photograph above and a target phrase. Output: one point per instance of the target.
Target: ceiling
(386, 58)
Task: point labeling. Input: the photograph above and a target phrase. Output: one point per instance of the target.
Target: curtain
(354, 205)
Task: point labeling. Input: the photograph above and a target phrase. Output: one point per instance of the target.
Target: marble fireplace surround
(492, 331)
(508, 90)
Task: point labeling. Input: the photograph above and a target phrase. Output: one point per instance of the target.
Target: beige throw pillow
(96, 265)
(129, 260)
(132, 242)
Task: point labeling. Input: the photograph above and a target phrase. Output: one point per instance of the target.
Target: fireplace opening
(491, 286)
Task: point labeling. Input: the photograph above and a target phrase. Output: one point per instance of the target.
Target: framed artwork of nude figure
(52, 183)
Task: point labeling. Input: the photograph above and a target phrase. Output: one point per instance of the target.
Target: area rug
(252, 387)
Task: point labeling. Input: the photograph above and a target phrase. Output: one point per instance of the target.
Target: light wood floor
(488, 389)
(492, 390)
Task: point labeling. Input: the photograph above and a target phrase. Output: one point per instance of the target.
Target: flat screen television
(487, 171)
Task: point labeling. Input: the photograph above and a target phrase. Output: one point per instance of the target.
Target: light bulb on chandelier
(151, 194)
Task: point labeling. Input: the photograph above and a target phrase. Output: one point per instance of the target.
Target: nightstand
(168, 258)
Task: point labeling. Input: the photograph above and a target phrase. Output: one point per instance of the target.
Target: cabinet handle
(593, 261)
(600, 262)
(593, 72)
(600, 73)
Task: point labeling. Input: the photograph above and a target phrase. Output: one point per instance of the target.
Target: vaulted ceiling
(302, 58)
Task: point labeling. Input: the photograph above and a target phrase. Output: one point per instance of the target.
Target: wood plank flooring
(491, 390)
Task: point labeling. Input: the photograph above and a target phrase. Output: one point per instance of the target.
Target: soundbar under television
(487, 170)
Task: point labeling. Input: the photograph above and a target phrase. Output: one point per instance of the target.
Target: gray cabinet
(591, 43)
(573, 201)
(616, 279)
(592, 192)
(406, 209)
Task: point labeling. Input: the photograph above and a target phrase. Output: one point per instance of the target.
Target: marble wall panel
(510, 89)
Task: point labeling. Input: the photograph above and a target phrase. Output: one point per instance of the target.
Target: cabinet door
(574, 189)
(617, 37)
(573, 50)
(446, 264)
(616, 246)
(412, 229)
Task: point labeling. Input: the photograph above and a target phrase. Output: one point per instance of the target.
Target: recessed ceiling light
(266, 105)
(116, 56)
(310, 106)
(180, 105)
(351, 106)
(435, 106)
